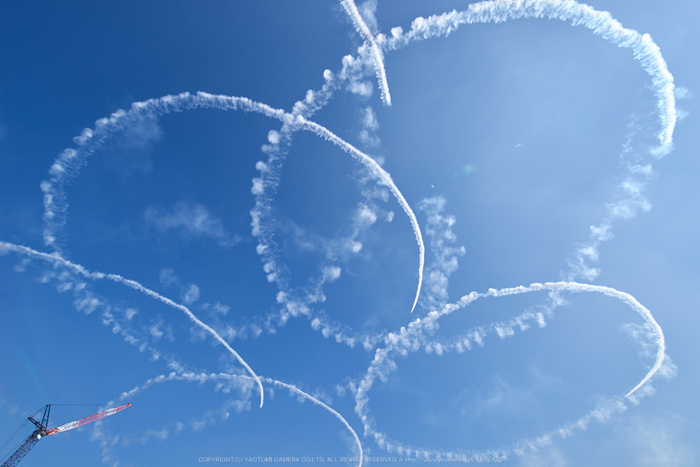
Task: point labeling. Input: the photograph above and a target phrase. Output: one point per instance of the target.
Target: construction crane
(43, 430)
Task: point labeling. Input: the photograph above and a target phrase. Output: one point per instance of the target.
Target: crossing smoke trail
(377, 56)
(416, 334)
(203, 377)
(68, 163)
(649, 56)
(57, 260)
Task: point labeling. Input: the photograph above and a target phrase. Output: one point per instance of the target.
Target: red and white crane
(43, 430)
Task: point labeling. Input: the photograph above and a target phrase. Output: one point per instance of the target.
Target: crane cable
(15, 434)
(10, 440)
(115, 433)
(77, 405)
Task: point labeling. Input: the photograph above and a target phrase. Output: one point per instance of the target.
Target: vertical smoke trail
(377, 56)
(380, 173)
(56, 259)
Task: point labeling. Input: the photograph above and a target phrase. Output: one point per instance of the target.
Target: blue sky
(180, 177)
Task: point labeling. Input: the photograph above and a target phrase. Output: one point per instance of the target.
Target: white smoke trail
(203, 377)
(56, 259)
(610, 292)
(68, 164)
(412, 337)
(265, 186)
(644, 50)
(601, 22)
(376, 52)
(380, 173)
(70, 160)
(321, 404)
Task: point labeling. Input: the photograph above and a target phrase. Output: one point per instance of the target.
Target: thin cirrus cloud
(191, 221)
(370, 125)
(188, 294)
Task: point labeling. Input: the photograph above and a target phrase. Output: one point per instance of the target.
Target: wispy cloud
(547, 457)
(167, 277)
(191, 294)
(188, 293)
(140, 134)
(682, 92)
(159, 329)
(368, 11)
(190, 221)
(660, 441)
(370, 125)
(130, 150)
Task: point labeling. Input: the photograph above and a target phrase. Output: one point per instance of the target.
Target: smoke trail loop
(412, 337)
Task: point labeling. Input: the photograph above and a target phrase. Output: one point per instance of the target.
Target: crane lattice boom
(43, 430)
(90, 419)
